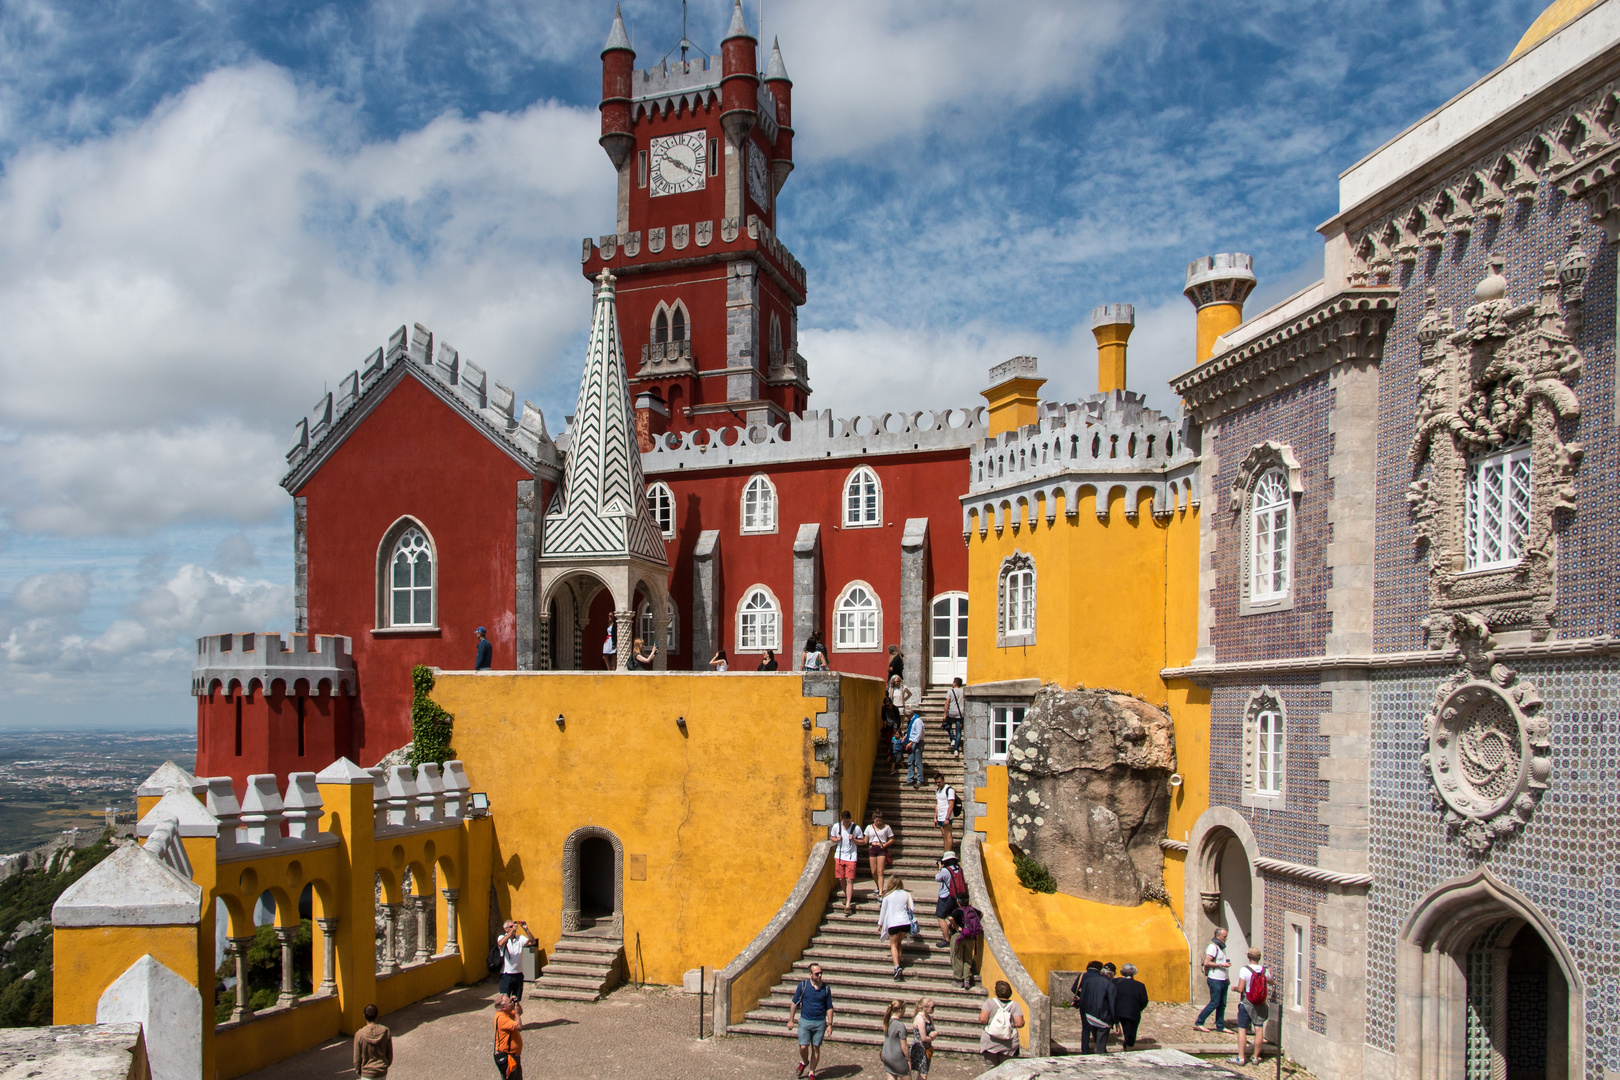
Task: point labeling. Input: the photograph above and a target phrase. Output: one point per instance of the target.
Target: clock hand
(687, 169)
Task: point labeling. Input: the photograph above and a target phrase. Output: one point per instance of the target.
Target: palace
(1338, 644)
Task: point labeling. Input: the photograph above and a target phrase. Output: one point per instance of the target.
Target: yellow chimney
(1111, 325)
(1217, 285)
(1014, 395)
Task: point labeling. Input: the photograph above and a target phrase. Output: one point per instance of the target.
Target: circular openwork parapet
(1489, 756)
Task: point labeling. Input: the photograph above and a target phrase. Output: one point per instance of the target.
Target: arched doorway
(1236, 884)
(593, 883)
(1487, 990)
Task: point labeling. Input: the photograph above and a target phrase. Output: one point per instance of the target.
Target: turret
(781, 88)
(1217, 285)
(1111, 325)
(1014, 395)
(618, 66)
(739, 81)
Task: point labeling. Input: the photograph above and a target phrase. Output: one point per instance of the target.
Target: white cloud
(64, 592)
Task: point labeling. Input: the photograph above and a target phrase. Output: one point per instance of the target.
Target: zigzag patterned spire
(601, 508)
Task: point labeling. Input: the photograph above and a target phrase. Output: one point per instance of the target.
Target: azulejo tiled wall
(1297, 417)
(1562, 861)
(1526, 238)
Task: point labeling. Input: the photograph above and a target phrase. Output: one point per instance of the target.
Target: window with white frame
(646, 629)
(759, 621)
(1296, 965)
(661, 504)
(1271, 509)
(863, 499)
(1268, 766)
(673, 628)
(1265, 748)
(759, 506)
(409, 578)
(858, 622)
(1004, 724)
(1015, 601)
(1497, 517)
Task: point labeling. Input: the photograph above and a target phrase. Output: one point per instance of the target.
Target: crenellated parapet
(1106, 442)
(463, 384)
(815, 435)
(271, 663)
(699, 240)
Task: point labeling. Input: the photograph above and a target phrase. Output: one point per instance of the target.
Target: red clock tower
(708, 296)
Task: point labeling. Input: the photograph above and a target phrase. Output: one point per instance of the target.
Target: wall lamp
(1175, 780)
(480, 803)
(559, 721)
(680, 722)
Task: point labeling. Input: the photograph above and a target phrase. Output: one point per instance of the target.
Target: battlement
(701, 235)
(465, 383)
(241, 662)
(684, 78)
(1113, 315)
(815, 435)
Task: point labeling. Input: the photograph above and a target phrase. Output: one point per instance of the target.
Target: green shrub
(1033, 875)
(26, 1002)
(430, 725)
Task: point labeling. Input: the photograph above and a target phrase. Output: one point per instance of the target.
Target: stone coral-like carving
(1502, 377)
(1261, 458)
(1488, 749)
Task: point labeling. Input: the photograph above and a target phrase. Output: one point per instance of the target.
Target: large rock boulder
(1088, 792)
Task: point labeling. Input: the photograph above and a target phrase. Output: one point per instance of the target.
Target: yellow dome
(1559, 14)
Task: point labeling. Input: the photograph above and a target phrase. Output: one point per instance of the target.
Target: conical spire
(739, 25)
(617, 37)
(775, 70)
(601, 508)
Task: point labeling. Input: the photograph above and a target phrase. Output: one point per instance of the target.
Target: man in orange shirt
(509, 1037)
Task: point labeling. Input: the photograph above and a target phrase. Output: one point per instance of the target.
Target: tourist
(815, 653)
(949, 876)
(610, 653)
(914, 747)
(897, 917)
(769, 663)
(892, 721)
(1215, 974)
(1001, 1017)
(813, 1007)
(642, 656)
(509, 1036)
(1130, 998)
(955, 715)
(511, 943)
(899, 695)
(944, 810)
(486, 652)
(896, 1060)
(922, 1043)
(878, 838)
(373, 1047)
(1253, 987)
(1095, 1000)
(967, 944)
(896, 743)
(848, 836)
(718, 660)
(897, 662)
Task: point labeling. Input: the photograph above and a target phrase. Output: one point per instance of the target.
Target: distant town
(59, 780)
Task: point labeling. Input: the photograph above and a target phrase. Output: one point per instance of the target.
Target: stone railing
(815, 435)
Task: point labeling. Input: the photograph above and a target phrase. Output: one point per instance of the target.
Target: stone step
(583, 971)
(862, 1000)
(872, 973)
(591, 943)
(590, 981)
(855, 1037)
(552, 993)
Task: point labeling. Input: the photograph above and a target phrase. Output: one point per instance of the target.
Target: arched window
(670, 323)
(863, 499)
(677, 322)
(1270, 538)
(661, 326)
(776, 337)
(407, 577)
(759, 621)
(1015, 601)
(1264, 746)
(674, 629)
(661, 504)
(858, 623)
(759, 506)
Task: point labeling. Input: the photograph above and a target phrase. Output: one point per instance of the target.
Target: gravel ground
(645, 1033)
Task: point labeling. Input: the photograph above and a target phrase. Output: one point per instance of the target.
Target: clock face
(679, 163)
(759, 177)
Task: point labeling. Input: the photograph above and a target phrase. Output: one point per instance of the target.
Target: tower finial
(739, 23)
(617, 37)
(775, 70)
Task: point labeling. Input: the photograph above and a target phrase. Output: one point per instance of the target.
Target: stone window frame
(1509, 456)
(385, 590)
(1262, 700)
(1012, 728)
(771, 503)
(1261, 460)
(1016, 562)
(661, 504)
(1295, 923)
(669, 311)
(759, 649)
(877, 486)
(877, 610)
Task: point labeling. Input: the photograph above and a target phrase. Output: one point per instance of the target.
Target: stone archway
(1486, 989)
(584, 866)
(566, 607)
(1222, 889)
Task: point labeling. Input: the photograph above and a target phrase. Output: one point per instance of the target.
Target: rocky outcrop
(1088, 792)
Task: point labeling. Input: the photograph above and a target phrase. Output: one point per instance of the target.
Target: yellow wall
(720, 813)
(1014, 403)
(88, 959)
(274, 1034)
(754, 985)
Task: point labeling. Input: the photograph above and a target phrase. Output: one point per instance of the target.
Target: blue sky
(211, 211)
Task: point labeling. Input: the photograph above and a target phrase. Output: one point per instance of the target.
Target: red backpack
(1255, 990)
(958, 880)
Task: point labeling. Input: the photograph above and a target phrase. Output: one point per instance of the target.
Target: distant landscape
(52, 781)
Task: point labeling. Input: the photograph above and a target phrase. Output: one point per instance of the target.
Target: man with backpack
(944, 810)
(1254, 1007)
(813, 1011)
(967, 944)
(1094, 996)
(953, 893)
(955, 713)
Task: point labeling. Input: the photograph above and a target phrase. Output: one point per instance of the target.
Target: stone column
(424, 947)
(914, 611)
(806, 590)
(450, 898)
(742, 337)
(543, 661)
(289, 982)
(624, 637)
(328, 956)
(390, 964)
(527, 654)
(706, 634)
(244, 1008)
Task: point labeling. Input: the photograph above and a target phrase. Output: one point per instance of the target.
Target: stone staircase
(585, 965)
(854, 959)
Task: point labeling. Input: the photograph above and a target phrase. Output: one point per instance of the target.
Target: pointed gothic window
(859, 619)
(407, 577)
(863, 499)
(661, 326)
(759, 506)
(677, 331)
